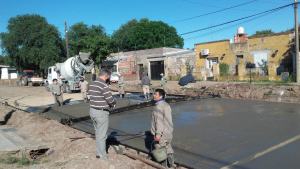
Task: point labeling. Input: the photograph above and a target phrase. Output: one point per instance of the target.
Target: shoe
(171, 160)
(61, 103)
(97, 156)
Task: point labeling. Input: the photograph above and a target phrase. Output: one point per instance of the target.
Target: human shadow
(149, 140)
(7, 117)
(68, 100)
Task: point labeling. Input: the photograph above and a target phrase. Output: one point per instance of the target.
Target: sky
(111, 14)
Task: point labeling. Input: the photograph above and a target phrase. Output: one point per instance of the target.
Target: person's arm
(79, 85)
(61, 89)
(108, 96)
(159, 123)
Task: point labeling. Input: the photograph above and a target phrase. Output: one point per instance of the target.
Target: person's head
(161, 74)
(61, 77)
(104, 74)
(54, 80)
(144, 74)
(159, 94)
(120, 75)
(82, 79)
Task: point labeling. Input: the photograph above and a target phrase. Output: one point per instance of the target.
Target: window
(49, 71)
(112, 68)
(258, 57)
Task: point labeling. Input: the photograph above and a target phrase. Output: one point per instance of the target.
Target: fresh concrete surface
(218, 133)
(12, 142)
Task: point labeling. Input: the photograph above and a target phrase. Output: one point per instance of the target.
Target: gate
(156, 68)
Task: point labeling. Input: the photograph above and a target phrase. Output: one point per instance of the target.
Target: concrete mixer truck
(72, 70)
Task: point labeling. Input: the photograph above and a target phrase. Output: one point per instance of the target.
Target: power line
(275, 9)
(214, 12)
(215, 6)
(219, 30)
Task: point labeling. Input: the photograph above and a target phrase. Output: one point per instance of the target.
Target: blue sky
(112, 13)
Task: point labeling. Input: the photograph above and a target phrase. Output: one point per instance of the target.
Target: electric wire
(225, 23)
(214, 12)
(219, 30)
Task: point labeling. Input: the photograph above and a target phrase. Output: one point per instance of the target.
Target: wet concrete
(215, 133)
(209, 133)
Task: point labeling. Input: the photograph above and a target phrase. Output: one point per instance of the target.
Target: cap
(161, 74)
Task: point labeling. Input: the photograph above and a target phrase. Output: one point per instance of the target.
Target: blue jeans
(100, 121)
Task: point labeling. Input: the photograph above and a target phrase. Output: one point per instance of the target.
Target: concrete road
(220, 133)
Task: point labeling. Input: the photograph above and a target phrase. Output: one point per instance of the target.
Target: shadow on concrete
(149, 140)
(67, 100)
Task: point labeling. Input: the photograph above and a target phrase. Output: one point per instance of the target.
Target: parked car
(114, 78)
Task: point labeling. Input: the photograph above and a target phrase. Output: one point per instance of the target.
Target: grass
(23, 161)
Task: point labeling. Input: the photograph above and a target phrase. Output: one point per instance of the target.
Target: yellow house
(273, 48)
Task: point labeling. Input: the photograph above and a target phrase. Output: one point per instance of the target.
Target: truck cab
(52, 74)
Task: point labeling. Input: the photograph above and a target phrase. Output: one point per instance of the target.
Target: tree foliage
(263, 32)
(31, 43)
(2, 60)
(146, 34)
(92, 39)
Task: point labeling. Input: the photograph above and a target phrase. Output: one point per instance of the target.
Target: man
(57, 91)
(121, 86)
(145, 85)
(84, 86)
(162, 125)
(101, 101)
(60, 80)
(164, 81)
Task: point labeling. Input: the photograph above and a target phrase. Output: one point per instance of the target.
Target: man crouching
(162, 125)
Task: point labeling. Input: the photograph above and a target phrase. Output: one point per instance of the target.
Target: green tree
(154, 34)
(92, 39)
(2, 60)
(31, 43)
(123, 35)
(263, 32)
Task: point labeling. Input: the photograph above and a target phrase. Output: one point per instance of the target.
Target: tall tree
(263, 32)
(153, 34)
(145, 34)
(123, 35)
(31, 43)
(90, 39)
(2, 60)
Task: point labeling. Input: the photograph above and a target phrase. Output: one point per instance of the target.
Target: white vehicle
(114, 78)
(72, 70)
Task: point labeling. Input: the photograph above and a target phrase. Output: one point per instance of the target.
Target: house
(136, 62)
(274, 48)
(8, 73)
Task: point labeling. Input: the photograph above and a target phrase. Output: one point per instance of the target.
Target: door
(209, 66)
(49, 77)
(156, 68)
(141, 70)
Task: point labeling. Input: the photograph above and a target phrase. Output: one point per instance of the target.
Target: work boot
(61, 103)
(121, 96)
(165, 163)
(171, 160)
(148, 97)
(84, 100)
(145, 97)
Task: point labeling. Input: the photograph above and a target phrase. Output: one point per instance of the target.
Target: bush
(291, 78)
(264, 66)
(224, 69)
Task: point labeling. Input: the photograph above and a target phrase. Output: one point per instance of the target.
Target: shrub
(224, 69)
(264, 66)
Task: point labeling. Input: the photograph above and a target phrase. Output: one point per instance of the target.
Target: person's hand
(157, 139)
(62, 91)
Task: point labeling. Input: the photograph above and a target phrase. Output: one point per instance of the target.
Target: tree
(2, 60)
(92, 39)
(263, 32)
(146, 34)
(123, 35)
(31, 43)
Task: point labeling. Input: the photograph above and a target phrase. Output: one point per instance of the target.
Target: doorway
(156, 68)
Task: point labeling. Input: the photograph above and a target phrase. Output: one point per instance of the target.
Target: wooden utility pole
(67, 44)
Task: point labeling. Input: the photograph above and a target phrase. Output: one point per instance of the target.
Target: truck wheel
(24, 81)
(68, 90)
(30, 84)
(47, 87)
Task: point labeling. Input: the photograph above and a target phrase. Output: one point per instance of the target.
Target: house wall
(274, 47)
(179, 62)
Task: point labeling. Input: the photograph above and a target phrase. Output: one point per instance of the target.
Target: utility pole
(297, 43)
(67, 44)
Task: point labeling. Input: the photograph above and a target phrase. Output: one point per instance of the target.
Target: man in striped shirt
(101, 101)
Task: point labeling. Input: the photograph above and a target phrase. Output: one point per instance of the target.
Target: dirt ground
(66, 153)
(233, 90)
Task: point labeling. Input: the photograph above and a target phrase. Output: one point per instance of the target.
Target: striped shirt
(100, 95)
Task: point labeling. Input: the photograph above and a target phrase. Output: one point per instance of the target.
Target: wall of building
(274, 47)
(179, 62)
